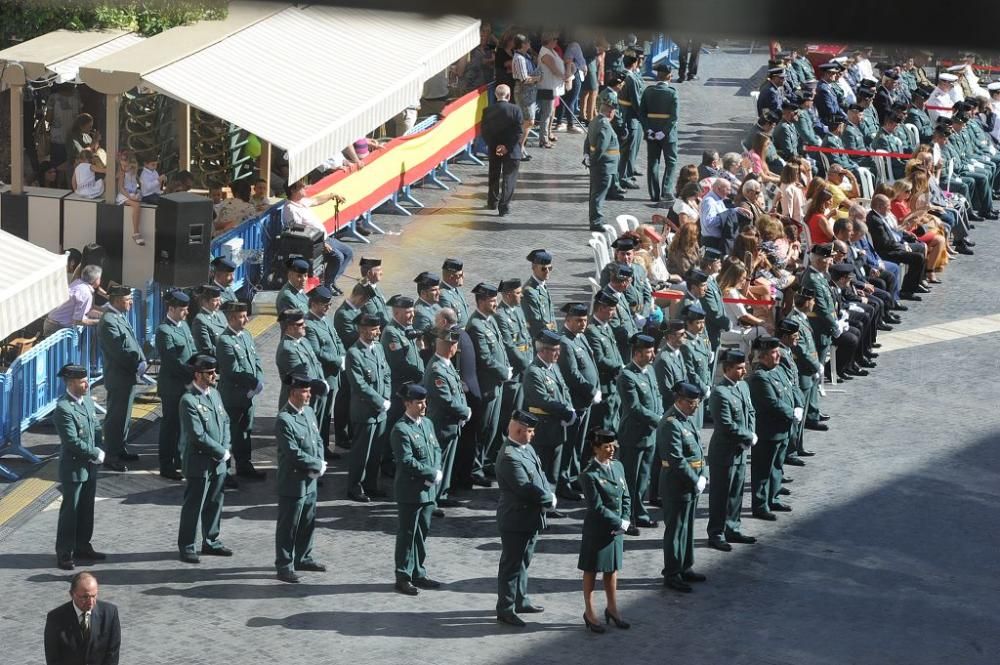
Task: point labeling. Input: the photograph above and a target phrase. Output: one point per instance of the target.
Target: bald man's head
(880, 203)
(502, 92)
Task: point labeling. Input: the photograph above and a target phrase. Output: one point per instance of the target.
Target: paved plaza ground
(888, 557)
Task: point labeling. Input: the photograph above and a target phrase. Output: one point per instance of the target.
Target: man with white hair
(713, 204)
(79, 309)
(502, 129)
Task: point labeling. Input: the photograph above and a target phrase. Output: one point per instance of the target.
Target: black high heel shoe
(595, 627)
(611, 618)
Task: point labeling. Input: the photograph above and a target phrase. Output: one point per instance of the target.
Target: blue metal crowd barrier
(253, 232)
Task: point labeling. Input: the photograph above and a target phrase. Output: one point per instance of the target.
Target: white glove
(624, 526)
(468, 414)
(659, 136)
(428, 483)
(708, 392)
(226, 455)
(797, 412)
(510, 373)
(572, 419)
(141, 369)
(702, 482)
(755, 439)
(854, 307)
(817, 376)
(840, 329)
(322, 469)
(342, 362)
(640, 321)
(329, 388)
(438, 476)
(598, 397)
(385, 405)
(100, 456)
(555, 502)
(461, 423)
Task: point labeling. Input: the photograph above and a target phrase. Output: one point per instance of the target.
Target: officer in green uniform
(517, 342)
(658, 112)
(639, 293)
(370, 378)
(222, 275)
(447, 407)
(853, 136)
(357, 302)
(698, 357)
(602, 153)
(834, 139)
(608, 360)
(175, 347)
(209, 322)
(786, 136)
(886, 140)
(492, 370)
(124, 364)
(547, 397)
(241, 379)
(732, 436)
(788, 334)
(624, 324)
(869, 118)
(807, 359)
(629, 99)
(300, 463)
(80, 454)
(804, 122)
(579, 369)
(823, 318)
(668, 366)
(525, 499)
(418, 474)
(716, 321)
(536, 302)
(295, 355)
(329, 350)
(642, 408)
(292, 295)
(773, 401)
(452, 279)
(613, 83)
(428, 300)
(682, 480)
(399, 344)
(371, 276)
(204, 446)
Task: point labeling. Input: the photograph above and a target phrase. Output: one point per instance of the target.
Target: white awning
(313, 79)
(68, 69)
(32, 283)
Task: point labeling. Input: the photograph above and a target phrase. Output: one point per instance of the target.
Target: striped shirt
(521, 67)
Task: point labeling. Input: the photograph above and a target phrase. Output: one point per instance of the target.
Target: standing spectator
(575, 67)
(593, 81)
(687, 59)
(79, 310)
(235, 210)
(525, 91)
(84, 630)
(503, 59)
(791, 198)
(503, 130)
(713, 204)
(552, 84)
(64, 107)
(477, 71)
(85, 182)
(82, 136)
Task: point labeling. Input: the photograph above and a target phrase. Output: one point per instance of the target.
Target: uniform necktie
(85, 626)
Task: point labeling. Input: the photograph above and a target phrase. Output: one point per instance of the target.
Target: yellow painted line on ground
(23, 495)
(260, 323)
(941, 332)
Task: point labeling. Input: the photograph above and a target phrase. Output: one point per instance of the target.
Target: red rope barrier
(676, 295)
(862, 153)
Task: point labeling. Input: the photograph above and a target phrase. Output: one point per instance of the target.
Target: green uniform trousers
(601, 178)
(576, 438)
(293, 536)
(764, 467)
(517, 549)
(448, 449)
(202, 500)
(170, 431)
(76, 516)
(119, 418)
(725, 498)
(550, 436)
(366, 453)
(511, 400)
(638, 463)
(489, 425)
(240, 428)
(667, 147)
(411, 540)
(678, 532)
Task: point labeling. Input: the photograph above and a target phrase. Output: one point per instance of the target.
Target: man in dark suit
(909, 253)
(85, 630)
(502, 128)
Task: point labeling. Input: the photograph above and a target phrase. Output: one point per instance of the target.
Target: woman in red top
(817, 212)
(922, 225)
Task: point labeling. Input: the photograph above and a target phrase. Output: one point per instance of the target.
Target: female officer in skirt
(608, 511)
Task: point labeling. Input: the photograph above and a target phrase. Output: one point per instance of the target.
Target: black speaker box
(183, 239)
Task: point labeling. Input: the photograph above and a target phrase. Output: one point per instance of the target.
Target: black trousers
(915, 264)
(690, 51)
(503, 179)
(847, 348)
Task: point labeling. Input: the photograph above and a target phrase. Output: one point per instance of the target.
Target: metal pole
(183, 136)
(113, 103)
(16, 138)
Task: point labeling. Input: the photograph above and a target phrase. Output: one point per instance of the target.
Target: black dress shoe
(530, 609)
(765, 515)
(330, 455)
(784, 491)
(90, 554)
(970, 243)
(677, 584)
(900, 307)
(406, 588)
(964, 249)
(66, 564)
(736, 537)
(646, 522)
(289, 576)
(691, 576)
(632, 530)
(844, 376)
(221, 550)
(251, 473)
(449, 503)
(482, 481)
(115, 466)
(171, 474)
(615, 197)
(630, 185)
(569, 495)
(230, 483)
(922, 289)
(794, 461)
(805, 453)
(128, 456)
(876, 345)
(906, 295)
(719, 543)
(526, 158)
(780, 508)
(859, 372)
(868, 364)
(190, 557)
(426, 583)
(311, 566)
(554, 514)
(503, 213)
(816, 426)
(437, 512)
(336, 290)
(823, 417)
(359, 496)
(511, 620)
(885, 327)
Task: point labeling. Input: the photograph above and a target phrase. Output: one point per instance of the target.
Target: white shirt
(80, 613)
(943, 99)
(864, 66)
(552, 81)
(149, 182)
(299, 213)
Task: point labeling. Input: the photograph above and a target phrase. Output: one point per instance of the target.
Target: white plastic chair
(595, 286)
(629, 221)
(621, 224)
(600, 255)
(883, 168)
(867, 182)
(611, 234)
(912, 133)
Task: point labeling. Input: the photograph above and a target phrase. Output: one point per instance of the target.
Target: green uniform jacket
(296, 355)
(536, 304)
(455, 299)
(300, 450)
(327, 346)
(402, 355)
(371, 386)
(240, 369)
(546, 393)
(833, 141)
(418, 460)
(807, 133)
(176, 346)
(678, 446)
(607, 358)
(579, 369)
(716, 320)
(343, 323)
(79, 433)
(639, 293)
(890, 143)
(227, 295)
(204, 433)
(424, 313)
(608, 500)
(774, 401)
(602, 144)
(491, 357)
(854, 139)
(659, 108)
(376, 304)
(734, 421)
(120, 349)
(786, 140)
(806, 357)
(823, 318)
(291, 298)
(697, 354)
(516, 337)
(524, 491)
(642, 407)
(206, 329)
(669, 368)
(631, 95)
(446, 403)
(791, 371)
(623, 326)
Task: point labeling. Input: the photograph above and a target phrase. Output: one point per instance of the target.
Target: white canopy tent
(32, 283)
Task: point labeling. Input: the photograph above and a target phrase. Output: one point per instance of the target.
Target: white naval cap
(994, 87)
(945, 76)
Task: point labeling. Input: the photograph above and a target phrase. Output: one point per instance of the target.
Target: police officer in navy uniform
(176, 347)
(772, 94)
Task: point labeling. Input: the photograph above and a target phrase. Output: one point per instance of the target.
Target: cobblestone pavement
(888, 557)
